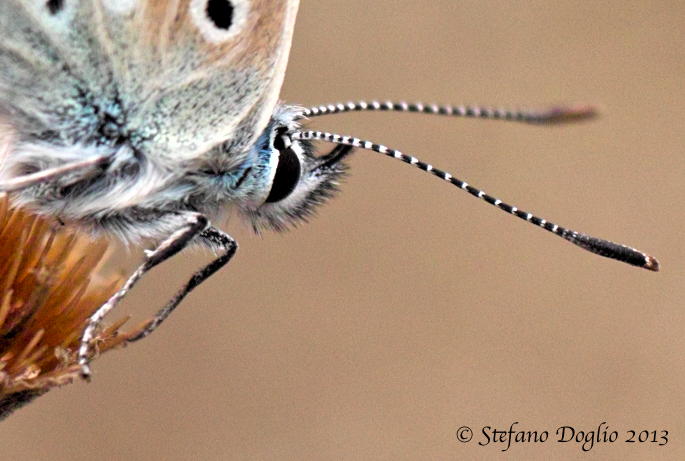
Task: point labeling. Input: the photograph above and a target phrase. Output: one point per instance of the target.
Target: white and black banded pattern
(555, 114)
(593, 244)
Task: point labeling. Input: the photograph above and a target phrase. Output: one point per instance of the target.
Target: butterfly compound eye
(288, 172)
(220, 12)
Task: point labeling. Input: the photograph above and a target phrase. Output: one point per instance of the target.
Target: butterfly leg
(214, 238)
(193, 225)
(50, 174)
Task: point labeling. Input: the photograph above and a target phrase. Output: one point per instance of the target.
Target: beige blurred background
(407, 309)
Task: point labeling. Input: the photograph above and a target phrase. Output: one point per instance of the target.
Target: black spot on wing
(220, 12)
(55, 6)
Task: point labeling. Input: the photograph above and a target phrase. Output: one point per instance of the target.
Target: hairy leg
(190, 226)
(214, 238)
(40, 177)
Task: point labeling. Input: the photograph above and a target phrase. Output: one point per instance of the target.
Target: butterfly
(148, 119)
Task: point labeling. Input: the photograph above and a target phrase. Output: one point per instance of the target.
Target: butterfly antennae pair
(595, 245)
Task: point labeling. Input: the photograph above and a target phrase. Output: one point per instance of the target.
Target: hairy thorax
(133, 195)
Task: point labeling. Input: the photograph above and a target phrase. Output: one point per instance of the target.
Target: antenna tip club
(572, 113)
(651, 263)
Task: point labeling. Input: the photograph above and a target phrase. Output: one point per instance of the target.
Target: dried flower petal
(50, 283)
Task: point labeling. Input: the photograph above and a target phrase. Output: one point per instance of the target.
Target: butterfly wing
(177, 76)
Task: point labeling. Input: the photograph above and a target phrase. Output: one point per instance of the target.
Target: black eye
(287, 176)
(220, 12)
(54, 6)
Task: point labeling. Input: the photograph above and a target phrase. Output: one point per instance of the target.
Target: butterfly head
(285, 180)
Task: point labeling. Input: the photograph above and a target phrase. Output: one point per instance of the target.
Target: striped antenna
(593, 244)
(552, 115)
